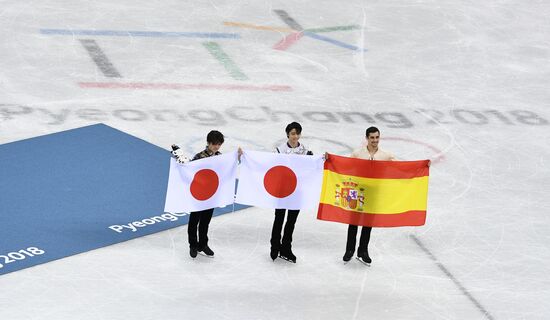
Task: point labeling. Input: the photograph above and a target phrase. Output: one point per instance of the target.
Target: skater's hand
(182, 159)
(325, 156)
(177, 153)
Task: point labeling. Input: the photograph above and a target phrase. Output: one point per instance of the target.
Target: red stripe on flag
(377, 169)
(410, 218)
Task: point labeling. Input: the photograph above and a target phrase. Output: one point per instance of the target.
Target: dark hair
(293, 125)
(371, 130)
(214, 137)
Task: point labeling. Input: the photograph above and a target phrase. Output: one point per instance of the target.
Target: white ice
(461, 82)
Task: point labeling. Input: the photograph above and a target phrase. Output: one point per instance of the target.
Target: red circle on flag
(280, 181)
(205, 183)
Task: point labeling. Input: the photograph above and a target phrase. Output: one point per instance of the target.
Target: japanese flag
(201, 184)
(280, 181)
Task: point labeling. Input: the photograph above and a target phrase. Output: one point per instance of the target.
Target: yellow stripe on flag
(378, 196)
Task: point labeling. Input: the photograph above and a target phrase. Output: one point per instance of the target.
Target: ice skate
(206, 251)
(274, 253)
(347, 256)
(364, 258)
(193, 252)
(287, 255)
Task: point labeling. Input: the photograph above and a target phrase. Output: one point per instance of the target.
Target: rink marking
(100, 58)
(288, 40)
(293, 24)
(296, 35)
(182, 86)
(282, 29)
(255, 27)
(446, 271)
(296, 26)
(332, 29)
(297, 32)
(333, 41)
(131, 33)
(230, 66)
(291, 39)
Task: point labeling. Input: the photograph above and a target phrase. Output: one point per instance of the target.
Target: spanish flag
(374, 193)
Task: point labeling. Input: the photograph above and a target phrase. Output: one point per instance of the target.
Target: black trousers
(363, 241)
(202, 220)
(278, 226)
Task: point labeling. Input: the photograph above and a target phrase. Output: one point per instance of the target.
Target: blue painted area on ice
(61, 192)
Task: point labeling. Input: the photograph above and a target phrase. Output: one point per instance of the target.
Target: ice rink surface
(460, 82)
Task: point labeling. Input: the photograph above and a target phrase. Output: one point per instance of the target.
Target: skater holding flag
(199, 186)
(283, 248)
(370, 189)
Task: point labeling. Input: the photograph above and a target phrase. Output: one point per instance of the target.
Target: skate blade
(363, 262)
(205, 255)
(286, 259)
